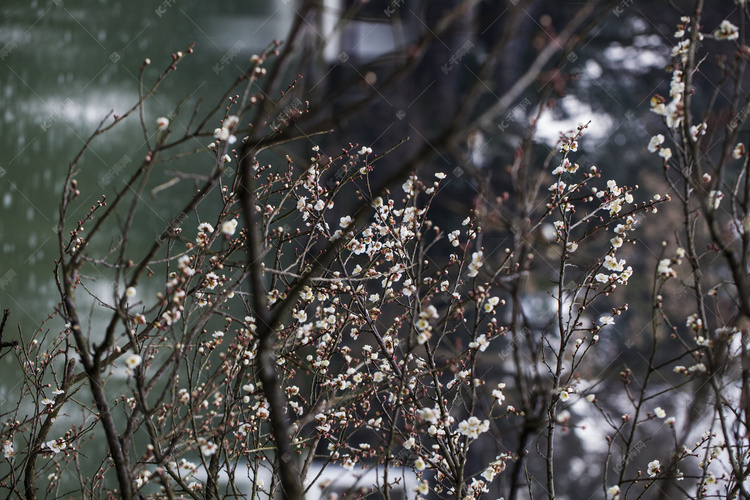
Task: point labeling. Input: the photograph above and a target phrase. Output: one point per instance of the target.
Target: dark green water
(63, 66)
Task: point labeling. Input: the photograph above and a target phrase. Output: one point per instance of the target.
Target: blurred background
(66, 65)
(466, 81)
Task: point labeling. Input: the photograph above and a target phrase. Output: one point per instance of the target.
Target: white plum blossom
(212, 280)
(665, 153)
(558, 187)
(613, 492)
(453, 237)
(473, 427)
(714, 199)
(430, 414)
(142, 478)
(602, 278)
(664, 268)
(654, 468)
(228, 227)
(694, 322)
(566, 166)
(8, 450)
(481, 343)
(56, 446)
(698, 130)
(655, 142)
(302, 204)
(231, 121)
(477, 260)
(496, 467)
(612, 264)
(607, 320)
(697, 368)
(162, 123)
(208, 448)
(727, 31)
(130, 292)
(659, 412)
(133, 361)
(614, 206)
(498, 394)
(489, 306)
(224, 134)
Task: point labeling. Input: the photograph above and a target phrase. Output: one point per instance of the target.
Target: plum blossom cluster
(392, 342)
(616, 201)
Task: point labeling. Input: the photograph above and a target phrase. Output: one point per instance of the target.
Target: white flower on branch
(133, 361)
(8, 451)
(224, 134)
(473, 427)
(56, 445)
(453, 237)
(481, 343)
(208, 448)
(602, 278)
(429, 414)
(698, 130)
(714, 199)
(727, 31)
(477, 261)
(228, 228)
(655, 142)
(654, 468)
(664, 268)
(607, 320)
